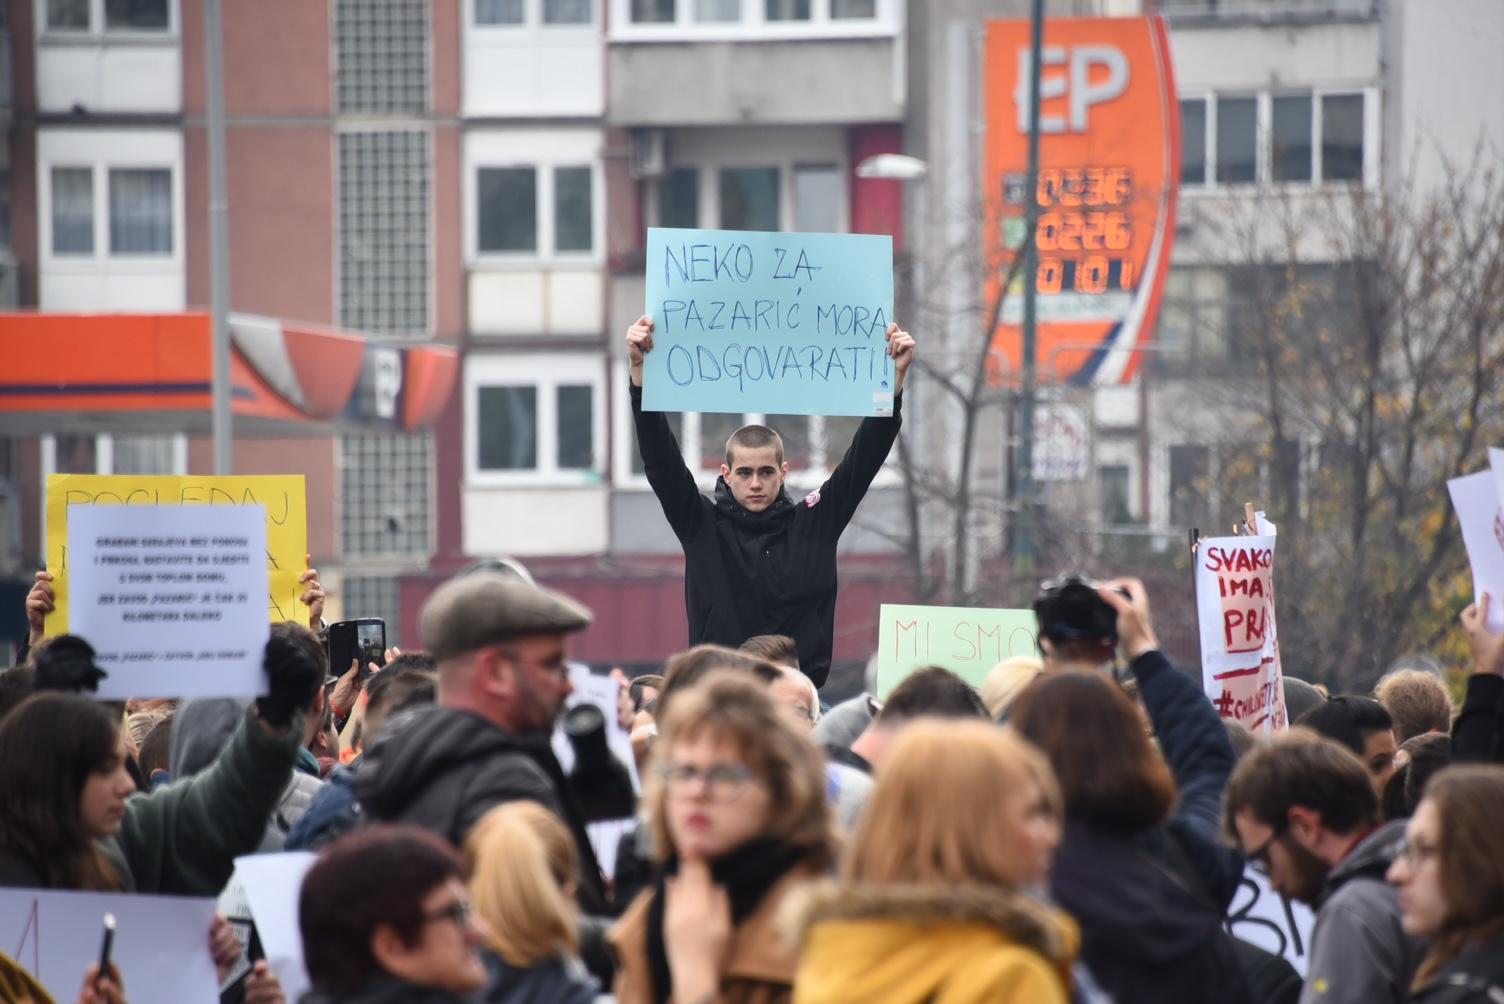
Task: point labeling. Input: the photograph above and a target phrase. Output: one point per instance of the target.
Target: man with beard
(1305, 815)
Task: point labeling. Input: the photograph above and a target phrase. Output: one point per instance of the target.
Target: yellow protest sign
(283, 495)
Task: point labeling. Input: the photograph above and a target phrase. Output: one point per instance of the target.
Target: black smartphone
(363, 639)
(106, 945)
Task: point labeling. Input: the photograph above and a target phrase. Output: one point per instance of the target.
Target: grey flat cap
(474, 611)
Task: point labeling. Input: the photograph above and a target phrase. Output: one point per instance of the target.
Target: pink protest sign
(1240, 667)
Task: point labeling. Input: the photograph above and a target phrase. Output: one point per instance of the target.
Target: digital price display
(1109, 147)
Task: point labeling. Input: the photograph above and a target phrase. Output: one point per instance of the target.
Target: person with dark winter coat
(1478, 732)
(757, 562)
(1142, 872)
(385, 919)
(72, 819)
(1303, 809)
(1451, 880)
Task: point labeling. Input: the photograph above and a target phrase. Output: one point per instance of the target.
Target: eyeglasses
(1414, 852)
(723, 782)
(459, 911)
(1259, 859)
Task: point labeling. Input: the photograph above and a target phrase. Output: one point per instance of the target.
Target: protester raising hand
(1135, 628)
(1487, 647)
(313, 595)
(40, 602)
(97, 989)
(262, 987)
(1478, 732)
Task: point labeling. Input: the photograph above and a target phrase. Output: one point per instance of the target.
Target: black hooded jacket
(443, 770)
(770, 572)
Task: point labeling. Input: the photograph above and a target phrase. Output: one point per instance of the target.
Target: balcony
(1192, 12)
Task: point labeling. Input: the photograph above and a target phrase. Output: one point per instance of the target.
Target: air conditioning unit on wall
(649, 153)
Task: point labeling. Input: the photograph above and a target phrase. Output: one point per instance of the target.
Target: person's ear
(783, 469)
(1304, 823)
(495, 674)
(725, 471)
(389, 950)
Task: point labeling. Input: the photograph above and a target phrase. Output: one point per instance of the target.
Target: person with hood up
(757, 562)
(933, 904)
(499, 644)
(1140, 866)
(72, 819)
(1451, 880)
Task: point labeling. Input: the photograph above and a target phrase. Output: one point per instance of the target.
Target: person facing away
(933, 902)
(1303, 810)
(755, 561)
(499, 644)
(928, 692)
(739, 822)
(1450, 874)
(522, 866)
(385, 919)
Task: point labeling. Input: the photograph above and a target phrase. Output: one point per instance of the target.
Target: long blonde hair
(522, 864)
(940, 810)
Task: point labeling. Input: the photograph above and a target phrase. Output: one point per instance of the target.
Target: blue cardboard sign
(779, 323)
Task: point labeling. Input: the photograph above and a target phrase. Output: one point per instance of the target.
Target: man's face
(540, 680)
(755, 477)
(1292, 868)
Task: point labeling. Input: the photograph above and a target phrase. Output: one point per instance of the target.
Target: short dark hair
(416, 659)
(339, 907)
(754, 437)
(640, 685)
(688, 668)
(16, 685)
(1428, 753)
(66, 663)
(1348, 720)
(932, 692)
(307, 643)
(779, 649)
(1111, 776)
(396, 688)
(1301, 768)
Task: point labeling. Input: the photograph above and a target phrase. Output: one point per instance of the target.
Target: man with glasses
(1305, 815)
(499, 645)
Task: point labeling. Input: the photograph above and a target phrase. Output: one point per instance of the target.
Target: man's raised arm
(662, 460)
(847, 485)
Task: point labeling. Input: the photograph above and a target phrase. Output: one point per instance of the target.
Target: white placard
(1476, 499)
(173, 598)
(1261, 916)
(272, 883)
(1062, 450)
(1240, 664)
(161, 942)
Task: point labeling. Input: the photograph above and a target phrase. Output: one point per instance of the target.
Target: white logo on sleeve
(812, 499)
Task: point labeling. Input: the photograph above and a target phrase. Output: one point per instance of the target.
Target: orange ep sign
(1109, 154)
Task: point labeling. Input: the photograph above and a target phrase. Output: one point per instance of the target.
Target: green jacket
(183, 838)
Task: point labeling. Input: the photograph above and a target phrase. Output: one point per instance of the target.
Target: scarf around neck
(746, 874)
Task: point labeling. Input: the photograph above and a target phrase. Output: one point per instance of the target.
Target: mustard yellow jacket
(930, 945)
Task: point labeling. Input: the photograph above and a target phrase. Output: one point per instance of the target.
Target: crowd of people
(1075, 829)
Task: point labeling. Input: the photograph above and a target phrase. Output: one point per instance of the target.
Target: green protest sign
(968, 641)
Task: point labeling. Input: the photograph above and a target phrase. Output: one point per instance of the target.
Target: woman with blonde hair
(934, 902)
(522, 865)
(1451, 880)
(1005, 681)
(738, 817)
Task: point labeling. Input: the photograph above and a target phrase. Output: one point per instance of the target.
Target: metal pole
(1023, 550)
(219, 237)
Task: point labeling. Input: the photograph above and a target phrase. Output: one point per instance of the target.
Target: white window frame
(709, 187)
(104, 459)
(823, 460)
(753, 26)
(532, 20)
(100, 175)
(97, 30)
(1264, 140)
(546, 372)
(544, 151)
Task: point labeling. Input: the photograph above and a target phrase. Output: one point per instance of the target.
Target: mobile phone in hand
(363, 639)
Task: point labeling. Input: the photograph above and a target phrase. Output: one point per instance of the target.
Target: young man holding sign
(756, 562)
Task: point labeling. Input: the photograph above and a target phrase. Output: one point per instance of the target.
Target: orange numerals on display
(1084, 186)
(1094, 231)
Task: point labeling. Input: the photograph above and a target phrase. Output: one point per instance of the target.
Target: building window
(498, 12)
(1237, 141)
(1112, 482)
(374, 596)
(135, 15)
(679, 198)
(1190, 485)
(140, 211)
(386, 492)
(534, 419)
(568, 11)
(144, 455)
(749, 198)
(653, 11)
(508, 217)
(507, 427)
(72, 211)
(787, 10)
(718, 11)
(1342, 137)
(817, 198)
(67, 15)
(573, 226)
(381, 56)
(1290, 151)
(853, 10)
(1193, 142)
(384, 230)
